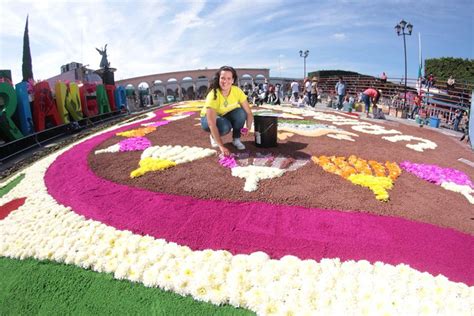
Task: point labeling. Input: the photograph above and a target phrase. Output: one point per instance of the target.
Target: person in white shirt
(295, 89)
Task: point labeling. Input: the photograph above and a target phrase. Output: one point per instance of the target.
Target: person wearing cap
(371, 95)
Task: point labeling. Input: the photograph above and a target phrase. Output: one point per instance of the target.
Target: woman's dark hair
(215, 80)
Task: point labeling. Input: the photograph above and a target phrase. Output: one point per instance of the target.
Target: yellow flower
(151, 164)
(139, 132)
(372, 174)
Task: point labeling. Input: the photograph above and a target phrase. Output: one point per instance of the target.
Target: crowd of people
(228, 106)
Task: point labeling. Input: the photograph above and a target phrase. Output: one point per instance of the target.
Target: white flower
(465, 190)
(374, 129)
(253, 174)
(420, 146)
(111, 149)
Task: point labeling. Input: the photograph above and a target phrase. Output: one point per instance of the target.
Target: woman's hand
(224, 150)
(244, 131)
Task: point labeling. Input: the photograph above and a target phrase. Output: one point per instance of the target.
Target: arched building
(190, 84)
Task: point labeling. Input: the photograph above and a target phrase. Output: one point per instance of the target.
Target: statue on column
(104, 63)
(105, 72)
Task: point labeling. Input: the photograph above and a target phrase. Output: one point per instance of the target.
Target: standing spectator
(416, 107)
(278, 94)
(341, 92)
(431, 81)
(466, 129)
(307, 90)
(314, 92)
(458, 114)
(383, 77)
(265, 90)
(295, 89)
(450, 84)
(271, 96)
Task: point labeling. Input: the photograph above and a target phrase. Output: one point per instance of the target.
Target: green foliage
(461, 69)
(26, 67)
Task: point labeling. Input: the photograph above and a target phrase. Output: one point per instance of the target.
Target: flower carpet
(345, 216)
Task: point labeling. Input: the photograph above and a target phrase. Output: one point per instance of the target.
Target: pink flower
(436, 174)
(134, 144)
(228, 161)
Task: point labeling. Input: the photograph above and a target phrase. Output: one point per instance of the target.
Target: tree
(461, 69)
(26, 67)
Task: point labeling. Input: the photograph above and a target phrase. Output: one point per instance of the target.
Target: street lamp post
(304, 55)
(400, 28)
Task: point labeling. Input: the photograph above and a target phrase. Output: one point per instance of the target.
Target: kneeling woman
(226, 109)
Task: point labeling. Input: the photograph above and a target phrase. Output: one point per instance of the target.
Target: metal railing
(438, 99)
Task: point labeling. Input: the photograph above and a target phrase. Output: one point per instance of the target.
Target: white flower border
(45, 230)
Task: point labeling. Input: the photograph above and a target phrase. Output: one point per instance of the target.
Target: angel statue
(104, 63)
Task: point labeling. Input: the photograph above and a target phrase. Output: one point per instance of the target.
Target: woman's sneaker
(238, 144)
(213, 142)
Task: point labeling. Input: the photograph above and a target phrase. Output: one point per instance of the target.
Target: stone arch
(259, 79)
(159, 91)
(201, 92)
(130, 90)
(202, 85)
(246, 79)
(144, 86)
(158, 88)
(187, 88)
(172, 88)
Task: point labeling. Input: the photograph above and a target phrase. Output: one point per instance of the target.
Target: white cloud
(147, 37)
(339, 36)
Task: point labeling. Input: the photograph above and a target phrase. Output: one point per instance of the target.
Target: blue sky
(148, 36)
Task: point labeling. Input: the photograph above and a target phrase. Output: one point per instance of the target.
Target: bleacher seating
(439, 100)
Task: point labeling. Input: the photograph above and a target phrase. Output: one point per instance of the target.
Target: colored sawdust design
(158, 158)
(448, 178)
(156, 124)
(129, 144)
(10, 185)
(371, 174)
(11, 206)
(257, 281)
(420, 145)
(276, 114)
(260, 167)
(312, 129)
(138, 132)
(57, 285)
(178, 116)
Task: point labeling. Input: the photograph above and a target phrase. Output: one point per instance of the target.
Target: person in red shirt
(371, 95)
(417, 106)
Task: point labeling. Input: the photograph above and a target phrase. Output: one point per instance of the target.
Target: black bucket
(266, 128)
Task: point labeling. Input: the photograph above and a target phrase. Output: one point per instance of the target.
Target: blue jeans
(340, 99)
(366, 100)
(234, 120)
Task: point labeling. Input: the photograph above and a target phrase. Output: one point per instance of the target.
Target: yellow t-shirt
(223, 105)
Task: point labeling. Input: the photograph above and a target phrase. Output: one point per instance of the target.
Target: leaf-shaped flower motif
(260, 167)
(374, 175)
(163, 157)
